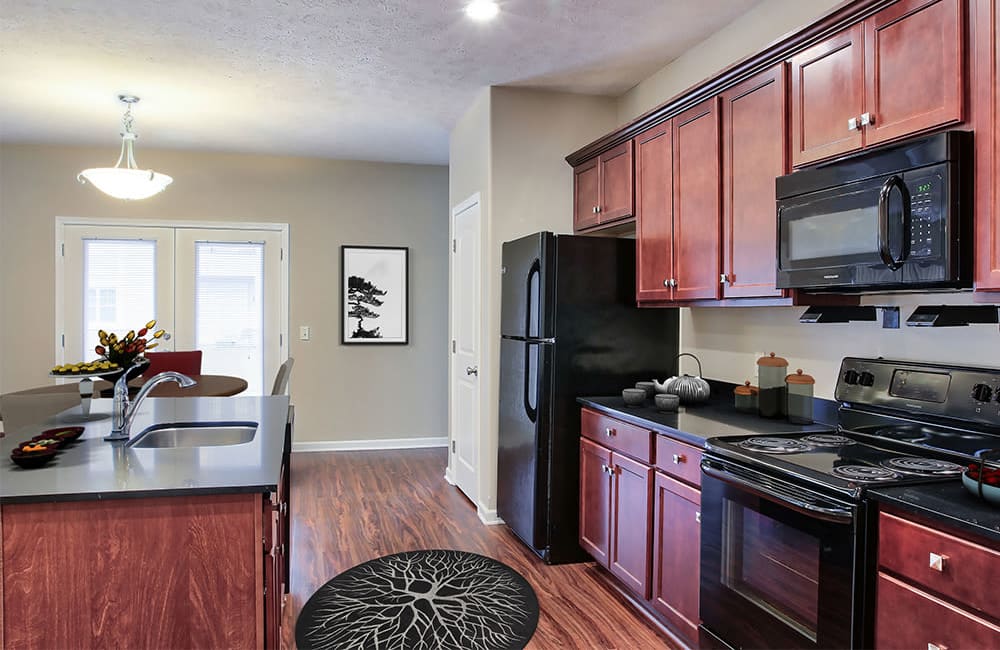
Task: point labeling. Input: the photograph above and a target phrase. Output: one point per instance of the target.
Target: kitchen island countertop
(92, 468)
(948, 502)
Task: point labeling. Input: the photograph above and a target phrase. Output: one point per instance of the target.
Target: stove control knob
(867, 379)
(982, 393)
(851, 377)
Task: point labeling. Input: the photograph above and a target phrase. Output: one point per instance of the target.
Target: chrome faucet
(123, 410)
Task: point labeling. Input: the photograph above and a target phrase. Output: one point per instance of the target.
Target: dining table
(207, 386)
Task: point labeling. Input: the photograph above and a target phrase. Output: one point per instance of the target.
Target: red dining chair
(187, 362)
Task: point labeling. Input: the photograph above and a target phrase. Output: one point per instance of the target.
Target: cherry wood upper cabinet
(754, 153)
(586, 194)
(827, 93)
(630, 531)
(896, 73)
(654, 214)
(697, 202)
(595, 500)
(603, 188)
(986, 102)
(914, 76)
(676, 540)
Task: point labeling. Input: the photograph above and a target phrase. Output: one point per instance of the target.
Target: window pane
(229, 310)
(119, 287)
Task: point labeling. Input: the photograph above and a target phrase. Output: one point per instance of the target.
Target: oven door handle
(806, 507)
(894, 182)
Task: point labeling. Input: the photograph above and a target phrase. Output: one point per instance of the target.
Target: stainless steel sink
(196, 434)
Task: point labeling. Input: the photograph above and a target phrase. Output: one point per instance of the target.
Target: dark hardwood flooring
(349, 507)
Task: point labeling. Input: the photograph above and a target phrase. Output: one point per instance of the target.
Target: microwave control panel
(925, 215)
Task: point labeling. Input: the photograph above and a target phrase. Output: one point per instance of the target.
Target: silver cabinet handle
(936, 646)
(852, 124)
(679, 458)
(937, 562)
(607, 469)
(867, 119)
(472, 370)
(673, 282)
(609, 432)
(697, 517)
(724, 279)
(666, 282)
(594, 209)
(283, 508)
(598, 209)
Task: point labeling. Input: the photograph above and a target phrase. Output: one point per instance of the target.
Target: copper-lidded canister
(771, 371)
(800, 397)
(745, 398)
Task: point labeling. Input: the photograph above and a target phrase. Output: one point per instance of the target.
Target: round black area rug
(421, 600)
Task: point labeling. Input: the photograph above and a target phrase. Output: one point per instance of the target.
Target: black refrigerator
(569, 328)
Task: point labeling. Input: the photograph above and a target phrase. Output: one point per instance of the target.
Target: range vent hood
(953, 315)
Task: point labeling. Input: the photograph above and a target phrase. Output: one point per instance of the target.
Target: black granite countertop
(948, 502)
(716, 417)
(92, 468)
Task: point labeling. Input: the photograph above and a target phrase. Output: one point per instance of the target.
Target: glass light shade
(123, 183)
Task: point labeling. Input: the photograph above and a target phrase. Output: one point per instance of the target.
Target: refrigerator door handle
(534, 275)
(531, 411)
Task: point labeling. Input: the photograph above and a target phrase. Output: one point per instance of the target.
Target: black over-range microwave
(899, 217)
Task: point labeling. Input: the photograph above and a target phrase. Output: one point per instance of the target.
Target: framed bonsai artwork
(374, 281)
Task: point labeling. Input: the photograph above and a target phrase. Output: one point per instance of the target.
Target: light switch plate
(305, 332)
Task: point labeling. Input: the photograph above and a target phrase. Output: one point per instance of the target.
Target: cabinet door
(585, 194)
(654, 214)
(273, 593)
(754, 138)
(827, 91)
(914, 68)
(697, 202)
(676, 558)
(986, 102)
(630, 525)
(616, 183)
(595, 500)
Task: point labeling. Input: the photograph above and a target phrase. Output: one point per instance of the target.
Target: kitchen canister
(771, 371)
(745, 398)
(800, 397)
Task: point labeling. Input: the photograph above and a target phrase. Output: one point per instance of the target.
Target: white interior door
(466, 314)
(228, 302)
(116, 279)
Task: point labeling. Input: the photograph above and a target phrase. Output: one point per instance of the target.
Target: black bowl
(33, 459)
(64, 434)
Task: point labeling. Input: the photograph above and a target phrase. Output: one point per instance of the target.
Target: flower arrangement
(124, 351)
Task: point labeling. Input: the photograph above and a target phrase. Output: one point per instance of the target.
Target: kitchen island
(118, 546)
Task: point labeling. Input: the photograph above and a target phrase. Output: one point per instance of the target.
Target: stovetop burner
(775, 445)
(865, 473)
(922, 466)
(828, 440)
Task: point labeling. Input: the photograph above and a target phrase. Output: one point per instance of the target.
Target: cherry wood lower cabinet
(676, 544)
(595, 500)
(631, 491)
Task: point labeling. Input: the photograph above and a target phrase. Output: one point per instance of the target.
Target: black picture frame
(374, 286)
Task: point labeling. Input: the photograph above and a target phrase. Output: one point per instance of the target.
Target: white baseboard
(369, 445)
(488, 516)
(449, 476)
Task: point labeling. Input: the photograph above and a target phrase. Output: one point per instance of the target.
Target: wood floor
(349, 507)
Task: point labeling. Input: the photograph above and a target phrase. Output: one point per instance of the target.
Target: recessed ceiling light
(482, 10)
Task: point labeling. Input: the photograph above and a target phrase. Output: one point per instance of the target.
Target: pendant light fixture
(128, 182)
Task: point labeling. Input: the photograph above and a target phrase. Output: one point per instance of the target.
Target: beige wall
(748, 34)
(341, 392)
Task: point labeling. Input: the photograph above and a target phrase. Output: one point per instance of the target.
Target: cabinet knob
(609, 432)
(284, 508)
(697, 517)
(867, 119)
(594, 209)
(597, 209)
(725, 279)
(666, 282)
(679, 458)
(936, 646)
(607, 469)
(852, 124)
(937, 562)
(673, 282)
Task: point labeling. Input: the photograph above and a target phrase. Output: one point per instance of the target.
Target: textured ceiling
(357, 79)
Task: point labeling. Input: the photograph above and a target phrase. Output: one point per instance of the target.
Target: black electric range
(788, 546)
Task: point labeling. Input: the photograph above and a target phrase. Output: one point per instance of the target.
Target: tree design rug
(421, 600)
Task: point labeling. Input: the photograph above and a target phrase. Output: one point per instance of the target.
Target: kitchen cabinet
(930, 587)
(631, 486)
(654, 213)
(898, 72)
(595, 500)
(986, 102)
(603, 188)
(676, 544)
(754, 153)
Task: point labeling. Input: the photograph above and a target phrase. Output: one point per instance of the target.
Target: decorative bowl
(133, 372)
(31, 460)
(666, 401)
(634, 396)
(65, 434)
(990, 492)
(647, 386)
(34, 441)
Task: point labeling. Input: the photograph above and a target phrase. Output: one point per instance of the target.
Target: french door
(218, 290)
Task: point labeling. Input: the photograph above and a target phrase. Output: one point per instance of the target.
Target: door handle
(472, 370)
(894, 182)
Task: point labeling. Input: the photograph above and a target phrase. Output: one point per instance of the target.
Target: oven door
(778, 562)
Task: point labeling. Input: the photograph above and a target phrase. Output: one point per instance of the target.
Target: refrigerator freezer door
(522, 457)
(525, 302)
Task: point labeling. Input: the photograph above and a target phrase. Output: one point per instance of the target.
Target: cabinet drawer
(953, 567)
(908, 618)
(617, 435)
(678, 459)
